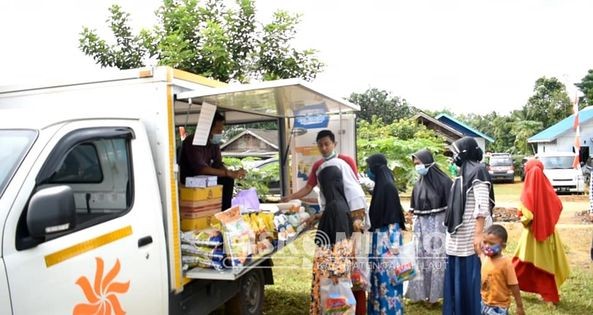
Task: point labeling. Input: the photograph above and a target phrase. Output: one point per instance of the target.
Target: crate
(188, 224)
(199, 194)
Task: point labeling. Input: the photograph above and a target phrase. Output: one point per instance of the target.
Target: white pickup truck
(89, 208)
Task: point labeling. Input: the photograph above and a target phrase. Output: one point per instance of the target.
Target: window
(14, 144)
(99, 174)
(96, 164)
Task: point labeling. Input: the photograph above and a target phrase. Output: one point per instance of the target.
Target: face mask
(330, 155)
(216, 138)
(491, 250)
(457, 160)
(421, 169)
(370, 174)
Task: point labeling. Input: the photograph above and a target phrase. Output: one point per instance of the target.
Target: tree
(397, 141)
(549, 103)
(207, 38)
(380, 103)
(586, 86)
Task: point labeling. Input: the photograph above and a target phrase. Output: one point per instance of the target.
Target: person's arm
(518, 301)
(481, 211)
(299, 194)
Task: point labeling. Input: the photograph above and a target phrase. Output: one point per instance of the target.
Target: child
(498, 274)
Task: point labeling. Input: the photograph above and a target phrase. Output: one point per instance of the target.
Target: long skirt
(431, 258)
(385, 296)
(462, 286)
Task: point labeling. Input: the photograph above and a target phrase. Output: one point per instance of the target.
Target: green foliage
(255, 178)
(398, 141)
(380, 103)
(586, 86)
(213, 38)
(549, 103)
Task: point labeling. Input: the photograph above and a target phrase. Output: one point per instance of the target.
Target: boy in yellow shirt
(498, 275)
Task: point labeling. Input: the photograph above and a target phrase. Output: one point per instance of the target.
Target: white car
(559, 170)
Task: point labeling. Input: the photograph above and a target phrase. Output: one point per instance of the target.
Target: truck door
(85, 233)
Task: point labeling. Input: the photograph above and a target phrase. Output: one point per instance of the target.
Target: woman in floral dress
(387, 220)
(333, 257)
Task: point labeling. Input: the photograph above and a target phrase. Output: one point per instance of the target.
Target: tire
(250, 299)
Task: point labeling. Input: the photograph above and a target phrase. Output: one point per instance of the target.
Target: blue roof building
(465, 130)
(561, 136)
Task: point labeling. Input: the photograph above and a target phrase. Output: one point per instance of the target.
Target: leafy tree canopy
(209, 38)
(380, 103)
(586, 86)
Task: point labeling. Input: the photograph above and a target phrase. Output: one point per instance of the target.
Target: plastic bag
(247, 199)
(207, 237)
(403, 264)
(360, 274)
(239, 239)
(337, 298)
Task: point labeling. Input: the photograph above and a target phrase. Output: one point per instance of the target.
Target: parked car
(500, 167)
(559, 170)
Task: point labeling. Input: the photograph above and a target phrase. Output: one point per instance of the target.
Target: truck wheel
(250, 299)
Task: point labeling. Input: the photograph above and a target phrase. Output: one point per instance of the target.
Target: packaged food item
(210, 237)
(190, 261)
(239, 238)
(203, 251)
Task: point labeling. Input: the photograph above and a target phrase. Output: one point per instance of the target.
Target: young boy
(498, 275)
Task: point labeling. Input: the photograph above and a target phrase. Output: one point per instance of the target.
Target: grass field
(292, 271)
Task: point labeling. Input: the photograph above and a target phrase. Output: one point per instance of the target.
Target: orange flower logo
(102, 297)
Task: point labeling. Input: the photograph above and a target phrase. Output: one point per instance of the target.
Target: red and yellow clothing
(497, 275)
(540, 262)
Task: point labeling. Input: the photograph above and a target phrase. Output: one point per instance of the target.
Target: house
(465, 130)
(561, 136)
(452, 129)
(449, 134)
(252, 142)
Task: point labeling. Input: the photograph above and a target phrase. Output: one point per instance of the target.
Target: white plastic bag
(337, 298)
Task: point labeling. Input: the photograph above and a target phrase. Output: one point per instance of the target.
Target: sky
(468, 56)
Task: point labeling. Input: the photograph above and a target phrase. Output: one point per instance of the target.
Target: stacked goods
(239, 238)
(203, 249)
(262, 224)
(198, 205)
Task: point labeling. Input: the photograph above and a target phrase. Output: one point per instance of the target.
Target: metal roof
(462, 127)
(553, 132)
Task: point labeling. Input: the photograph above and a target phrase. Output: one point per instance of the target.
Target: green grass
(292, 272)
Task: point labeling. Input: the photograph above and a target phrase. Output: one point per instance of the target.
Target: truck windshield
(557, 162)
(14, 145)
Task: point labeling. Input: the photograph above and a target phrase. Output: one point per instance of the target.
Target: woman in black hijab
(428, 204)
(387, 219)
(334, 247)
(469, 208)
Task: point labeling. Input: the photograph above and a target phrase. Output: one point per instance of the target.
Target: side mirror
(51, 210)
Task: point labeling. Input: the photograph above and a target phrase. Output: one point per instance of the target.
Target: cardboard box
(195, 224)
(198, 194)
(196, 181)
(212, 181)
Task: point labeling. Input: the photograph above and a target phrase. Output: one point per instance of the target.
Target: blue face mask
(216, 138)
(370, 174)
(491, 250)
(421, 169)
